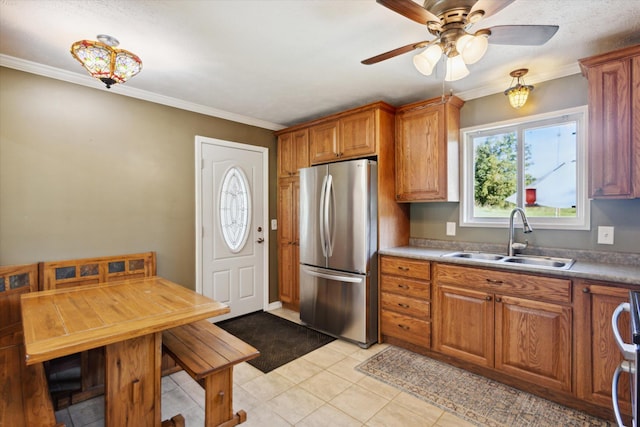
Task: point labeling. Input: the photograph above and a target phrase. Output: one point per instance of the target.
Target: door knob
(260, 240)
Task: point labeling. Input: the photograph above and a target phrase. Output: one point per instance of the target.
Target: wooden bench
(208, 354)
(24, 395)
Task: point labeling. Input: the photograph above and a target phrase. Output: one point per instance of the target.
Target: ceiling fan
(451, 21)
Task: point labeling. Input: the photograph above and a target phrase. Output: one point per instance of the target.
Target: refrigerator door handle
(322, 221)
(336, 277)
(326, 204)
(330, 216)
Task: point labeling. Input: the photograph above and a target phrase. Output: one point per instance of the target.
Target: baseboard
(274, 306)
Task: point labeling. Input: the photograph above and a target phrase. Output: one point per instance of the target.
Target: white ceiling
(275, 63)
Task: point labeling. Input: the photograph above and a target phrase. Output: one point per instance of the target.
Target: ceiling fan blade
(395, 52)
(490, 7)
(527, 35)
(411, 10)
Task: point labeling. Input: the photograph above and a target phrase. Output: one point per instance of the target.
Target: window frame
(582, 219)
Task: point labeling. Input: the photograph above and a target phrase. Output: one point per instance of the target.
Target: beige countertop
(627, 272)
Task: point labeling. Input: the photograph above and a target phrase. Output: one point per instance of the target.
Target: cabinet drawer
(405, 287)
(536, 287)
(405, 267)
(403, 305)
(406, 328)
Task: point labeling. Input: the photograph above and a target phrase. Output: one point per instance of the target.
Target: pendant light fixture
(519, 93)
(104, 62)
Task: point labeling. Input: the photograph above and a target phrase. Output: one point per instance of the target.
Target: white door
(233, 247)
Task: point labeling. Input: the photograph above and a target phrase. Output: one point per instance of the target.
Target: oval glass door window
(235, 209)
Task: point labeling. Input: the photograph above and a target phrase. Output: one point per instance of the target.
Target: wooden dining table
(127, 317)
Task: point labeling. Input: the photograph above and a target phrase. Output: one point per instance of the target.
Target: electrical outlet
(274, 224)
(451, 229)
(605, 235)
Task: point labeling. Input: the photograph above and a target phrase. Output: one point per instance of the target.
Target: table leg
(132, 383)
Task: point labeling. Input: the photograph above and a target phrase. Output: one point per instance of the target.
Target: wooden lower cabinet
(405, 302)
(487, 319)
(597, 354)
(533, 341)
(288, 243)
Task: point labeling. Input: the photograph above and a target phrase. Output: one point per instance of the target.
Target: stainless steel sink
(475, 255)
(525, 260)
(535, 261)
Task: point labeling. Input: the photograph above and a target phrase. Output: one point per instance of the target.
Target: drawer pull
(404, 327)
(401, 286)
(403, 305)
(496, 282)
(401, 268)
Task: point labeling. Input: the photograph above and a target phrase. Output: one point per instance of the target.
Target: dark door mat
(278, 340)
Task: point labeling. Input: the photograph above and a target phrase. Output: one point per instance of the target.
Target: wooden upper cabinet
(358, 135)
(614, 123)
(427, 150)
(293, 152)
(350, 135)
(323, 140)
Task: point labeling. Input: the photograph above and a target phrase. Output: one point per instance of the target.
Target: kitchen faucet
(513, 246)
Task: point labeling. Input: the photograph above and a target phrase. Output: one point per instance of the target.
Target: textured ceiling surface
(276, 63)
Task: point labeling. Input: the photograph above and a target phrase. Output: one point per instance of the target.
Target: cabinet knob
(498, 299)
(488, 297)
(585, 290)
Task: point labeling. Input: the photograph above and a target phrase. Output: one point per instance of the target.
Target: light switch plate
(605, 235)
(274, 224)
(451, 229)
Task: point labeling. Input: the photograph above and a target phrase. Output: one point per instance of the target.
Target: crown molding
(499, 87)
(82, 80)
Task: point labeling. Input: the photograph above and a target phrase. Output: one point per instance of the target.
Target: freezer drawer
(340, 304)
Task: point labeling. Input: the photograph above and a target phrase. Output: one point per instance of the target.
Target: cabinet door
(288, 240)
(533, 341)
(421, 154)
(597, 354)
(357, 135)
(610, 129)
(323, 142)
(293, 153)
(464, 326)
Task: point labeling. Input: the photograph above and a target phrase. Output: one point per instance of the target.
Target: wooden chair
(24, 396)
(89, 364)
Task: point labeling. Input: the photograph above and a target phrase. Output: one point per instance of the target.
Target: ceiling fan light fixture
(519, 93)
(456, 68)
(426, 60)
(104, 62)
(472, 47)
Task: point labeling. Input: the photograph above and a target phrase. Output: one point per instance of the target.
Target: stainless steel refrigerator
(338, 242)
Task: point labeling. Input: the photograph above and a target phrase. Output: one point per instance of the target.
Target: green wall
(85, 172)
(428, 220)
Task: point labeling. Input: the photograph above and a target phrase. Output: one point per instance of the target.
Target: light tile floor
(322, 388)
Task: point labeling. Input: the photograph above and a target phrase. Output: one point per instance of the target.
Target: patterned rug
(474, 398)
(278, 340)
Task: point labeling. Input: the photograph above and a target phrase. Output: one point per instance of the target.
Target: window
(235, 209)
(537, 163)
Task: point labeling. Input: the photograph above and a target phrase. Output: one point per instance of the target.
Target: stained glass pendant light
(519, 93)
(104, 62)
